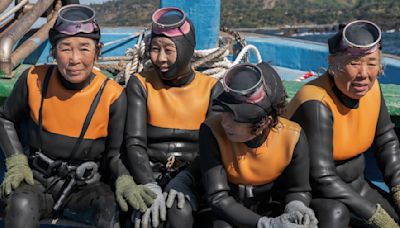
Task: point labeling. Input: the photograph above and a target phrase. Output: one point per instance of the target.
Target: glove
(396, 196)
(127, 191)
(382, 219)
(285, 220)
(157, 210)
(18, 170)
(305, 215)
(180, 188)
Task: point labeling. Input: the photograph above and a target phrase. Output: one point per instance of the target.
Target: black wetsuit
(64, 110)
(277, 175)
(163, 121)
(339, 131)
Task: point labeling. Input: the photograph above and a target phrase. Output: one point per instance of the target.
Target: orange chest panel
(354, 129)
(177, 107)
(262, 165)
(64, 111)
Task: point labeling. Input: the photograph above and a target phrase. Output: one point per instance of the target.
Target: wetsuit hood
(185, 45)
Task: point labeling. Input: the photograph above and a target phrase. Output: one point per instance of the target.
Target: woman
(343, 114)
(166, 106)
(75, 119)
(254, 163)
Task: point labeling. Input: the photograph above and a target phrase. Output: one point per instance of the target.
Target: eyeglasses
(359, 44)
(252, 95)
(75, 18)
(177, 26)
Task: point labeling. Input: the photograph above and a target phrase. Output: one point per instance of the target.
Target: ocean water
(391, 40)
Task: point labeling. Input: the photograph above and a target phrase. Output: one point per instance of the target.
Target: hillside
(264, 13)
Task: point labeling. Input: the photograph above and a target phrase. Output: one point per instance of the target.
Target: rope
(137, 54)
(13, 10)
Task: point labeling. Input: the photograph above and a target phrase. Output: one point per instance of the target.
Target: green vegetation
(264, 13)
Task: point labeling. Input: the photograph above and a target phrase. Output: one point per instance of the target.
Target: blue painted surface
(306, 56)
(205, 16)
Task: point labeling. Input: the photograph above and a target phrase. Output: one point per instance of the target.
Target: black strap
(88, 118)
(44, 90)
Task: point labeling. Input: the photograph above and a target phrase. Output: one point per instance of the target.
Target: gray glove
(285, 220)
(305, 215)
(180, 188)
(157, 210)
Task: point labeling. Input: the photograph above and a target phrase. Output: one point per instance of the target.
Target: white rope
(246, 49)
(217, 67)
(137, 52)
(13, 10)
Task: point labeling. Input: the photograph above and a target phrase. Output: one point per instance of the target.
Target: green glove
(396, 196)
(18, 170)
(138, 196)
(381, 219)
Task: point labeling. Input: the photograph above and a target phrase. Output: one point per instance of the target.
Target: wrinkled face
(75, 58)
(355, 76)
(235, 131)
(163, 53)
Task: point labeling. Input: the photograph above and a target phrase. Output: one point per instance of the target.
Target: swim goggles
(354, 40)
(177, 26)
(254, 93)
(75, 18)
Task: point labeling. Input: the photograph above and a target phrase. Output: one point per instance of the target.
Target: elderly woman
(166, 106)
(254, 163)
(75, 119)
(343, 114)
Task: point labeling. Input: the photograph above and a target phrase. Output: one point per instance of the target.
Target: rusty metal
(4, 4)
(12, 11)
(35, 40)
(16, 32)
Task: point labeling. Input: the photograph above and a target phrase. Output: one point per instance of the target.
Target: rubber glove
(127, 191)
(18, 170)
(305, 216)
(181, 189)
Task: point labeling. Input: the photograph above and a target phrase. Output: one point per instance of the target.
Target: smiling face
(163, 53)
(355, 76)
(75, 58)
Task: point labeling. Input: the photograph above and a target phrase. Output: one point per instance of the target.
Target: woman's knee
(180, 217)
(331, 213)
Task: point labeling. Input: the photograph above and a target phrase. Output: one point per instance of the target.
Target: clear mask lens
(74, 18)
(170, 21)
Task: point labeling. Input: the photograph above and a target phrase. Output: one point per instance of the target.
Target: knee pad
(180, 217)
(23, 210)
(331, 213)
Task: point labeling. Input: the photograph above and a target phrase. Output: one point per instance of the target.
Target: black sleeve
(115, 136)
(216, 184)
(13, 111)
(317, 122)
(215, 92)
(136, 132)
(387, 145)
(194, 167)
(295, 177)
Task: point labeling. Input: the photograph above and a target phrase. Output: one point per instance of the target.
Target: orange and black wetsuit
(276, 168)
(163, 120)
(339, 131)
(64, 109)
